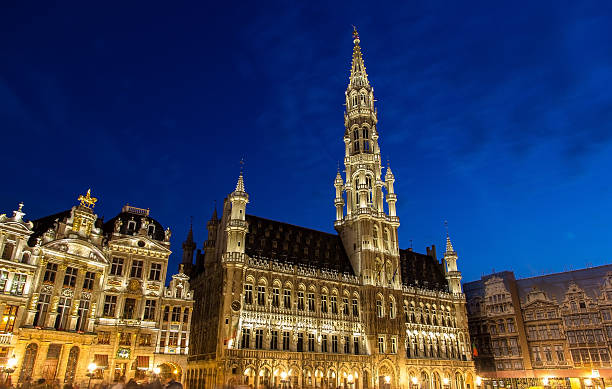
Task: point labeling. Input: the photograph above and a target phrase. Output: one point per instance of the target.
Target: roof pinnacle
(449, 245)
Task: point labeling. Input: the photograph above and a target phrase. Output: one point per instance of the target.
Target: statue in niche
(118, 224)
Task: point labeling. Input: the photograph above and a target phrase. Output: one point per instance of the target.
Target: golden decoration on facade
(87, 200)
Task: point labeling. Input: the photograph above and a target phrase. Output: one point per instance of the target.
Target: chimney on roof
(427, 251)
(433, 252)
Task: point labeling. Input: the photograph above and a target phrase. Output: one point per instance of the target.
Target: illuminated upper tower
(368, 231)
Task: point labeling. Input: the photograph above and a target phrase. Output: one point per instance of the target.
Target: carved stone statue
(118, 224)
(168, 234)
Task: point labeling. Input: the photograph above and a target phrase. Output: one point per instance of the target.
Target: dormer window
(151, 229)
(131, 226)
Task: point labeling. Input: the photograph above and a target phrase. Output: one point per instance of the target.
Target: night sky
(496, 117)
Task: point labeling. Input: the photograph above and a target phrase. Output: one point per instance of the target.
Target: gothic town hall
(277, 305)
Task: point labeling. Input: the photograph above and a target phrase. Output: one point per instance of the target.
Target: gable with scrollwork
(75, 248)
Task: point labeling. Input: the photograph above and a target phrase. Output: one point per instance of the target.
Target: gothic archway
(73, 359)
(28, 362)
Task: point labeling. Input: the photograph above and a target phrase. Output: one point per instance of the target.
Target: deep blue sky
(496, 117)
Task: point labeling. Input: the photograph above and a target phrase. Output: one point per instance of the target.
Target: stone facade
(554, 329)
(277, 305)
(77, 290)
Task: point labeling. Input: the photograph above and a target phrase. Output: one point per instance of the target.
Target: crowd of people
(153, 383)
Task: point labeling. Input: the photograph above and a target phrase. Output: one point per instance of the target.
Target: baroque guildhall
(278, 305)
(83, 299)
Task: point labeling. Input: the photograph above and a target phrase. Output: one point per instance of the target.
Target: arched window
(25, 258)
(391, 308)
(379, 307)
(73, 359)
(29, 358)
(151, 229)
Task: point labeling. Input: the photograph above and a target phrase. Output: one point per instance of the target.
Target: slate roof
(296, 245)
(125, 217)
(422, 270)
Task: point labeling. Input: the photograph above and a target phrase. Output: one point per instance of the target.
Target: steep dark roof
(44, 223)
(125, 217)
(422, 270)
(296, 245)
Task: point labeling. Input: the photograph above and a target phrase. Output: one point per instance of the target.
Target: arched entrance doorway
(249, 377)
(385, 377)
(264, 378)
(170, 370)
(459, 382)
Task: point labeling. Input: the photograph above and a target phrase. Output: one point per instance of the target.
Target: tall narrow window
(3, 280)
(334, 304)
(324, 303)
(334, 343)
(300, 342)
(136, 271)
(7, 253)
(18, 285)
(63, 312)
(285, 340)
(259, 338)
(393, 345)
(116, 267)
(149, 310)
(311, 302)
(355, 308)
(392, 309)
(300, 302)
(311, 342)
(128, 308)
(42, 309)
(88, 281)
(8, 318)
(176, 314)
(381, 345)
(323, 343)
(248, 294)
(50, 272)
(347, 345)
(155, 272)
(70, 277)
(82, 313)
(356, 345)
(274, 340)
(261, 295)
(287, 299)
(110, 304)
(245, 340)
(186, 316)
(275, 297)
(379, 308)
(345, 306)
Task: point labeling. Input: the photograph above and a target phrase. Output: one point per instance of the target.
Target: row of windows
(285, 342)
(585, 336)
(136, 269)
(590, 356)
(8, 251)
(129, 310)
(70, 276)
(63, 313)
(546, 353)
(304, 300)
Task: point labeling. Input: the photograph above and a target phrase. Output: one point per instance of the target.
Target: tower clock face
(235, 305)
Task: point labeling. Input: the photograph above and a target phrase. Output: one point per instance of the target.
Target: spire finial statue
(355, 35)
(240, 183)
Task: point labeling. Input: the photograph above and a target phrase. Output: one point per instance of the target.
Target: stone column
(41, 357)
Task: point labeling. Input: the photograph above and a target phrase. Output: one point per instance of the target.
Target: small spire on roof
(449, 245)
(214, 215)
(240, 183)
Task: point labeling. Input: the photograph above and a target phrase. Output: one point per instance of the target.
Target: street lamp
(478, 380)
(545, 381)
(10, 367)
(283, 379)
(350, 380)
(156, 370)
(445, 381)
(91, 368)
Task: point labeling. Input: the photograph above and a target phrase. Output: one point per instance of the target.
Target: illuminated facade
(286, 306)
(552, 330)
(78, 290)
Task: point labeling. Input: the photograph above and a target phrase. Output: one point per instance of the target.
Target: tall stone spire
(368, 232)
(188, 249)
(453, 275)
(359, 77)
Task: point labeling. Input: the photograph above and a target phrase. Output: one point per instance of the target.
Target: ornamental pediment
(76, 248)
(140, 244)
(15, 226)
